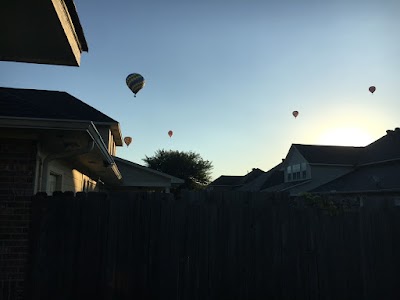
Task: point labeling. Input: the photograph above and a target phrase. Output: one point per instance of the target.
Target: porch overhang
(63, 137)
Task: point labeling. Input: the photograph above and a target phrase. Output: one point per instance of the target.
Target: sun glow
(345, 136)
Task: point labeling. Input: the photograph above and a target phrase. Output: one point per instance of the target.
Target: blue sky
(225, 76)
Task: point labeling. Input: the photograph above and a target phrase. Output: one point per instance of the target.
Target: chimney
(389, 132)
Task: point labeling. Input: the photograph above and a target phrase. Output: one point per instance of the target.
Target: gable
(294, 157)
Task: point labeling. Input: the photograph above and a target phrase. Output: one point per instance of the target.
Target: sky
(226, 75)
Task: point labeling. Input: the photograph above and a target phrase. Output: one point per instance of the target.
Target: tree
(185, 165)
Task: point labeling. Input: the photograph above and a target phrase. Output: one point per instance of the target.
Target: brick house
(70, 144)
(51, 141)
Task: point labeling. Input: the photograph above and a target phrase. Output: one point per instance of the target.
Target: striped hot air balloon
(135, 82)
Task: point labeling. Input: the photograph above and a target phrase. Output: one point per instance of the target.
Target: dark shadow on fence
(211, 245)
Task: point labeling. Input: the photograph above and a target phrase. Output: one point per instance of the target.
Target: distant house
(51, 141)
(272, 177)
(254, 181)
(333, 169)
(136, 177)
(377, 170)
(227, 183)
(309, 166)
(45, 32)
(315, 168)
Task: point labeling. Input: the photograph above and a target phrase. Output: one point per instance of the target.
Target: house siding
(108, 139)
(294, 158)
(71, 179)
(321, 175)
(17, 169)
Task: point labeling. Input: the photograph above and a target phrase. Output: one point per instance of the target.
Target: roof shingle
(320, 154)
(43, 104)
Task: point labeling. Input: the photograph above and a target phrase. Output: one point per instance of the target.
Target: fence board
(211, 245)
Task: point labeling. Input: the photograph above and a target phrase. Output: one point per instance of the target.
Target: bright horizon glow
(345, 136)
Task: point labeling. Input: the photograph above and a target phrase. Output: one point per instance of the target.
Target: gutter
(380, 162)
(295, 185)
(109, 160)
(359, 191)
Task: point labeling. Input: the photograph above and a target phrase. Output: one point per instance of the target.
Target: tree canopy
(189, 166)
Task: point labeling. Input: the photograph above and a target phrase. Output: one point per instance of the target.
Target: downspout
(53, 156)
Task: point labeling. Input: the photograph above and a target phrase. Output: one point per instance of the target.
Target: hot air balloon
(127, 140)
(372, 89)
(135, 82)
(295, 113)
(170, 133)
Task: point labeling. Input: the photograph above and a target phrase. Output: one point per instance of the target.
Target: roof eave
(332, 165)
(174, 179)
(92, 130)
(77, 24)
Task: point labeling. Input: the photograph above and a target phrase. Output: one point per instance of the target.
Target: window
(296, 172)
(54, 183)
(289, 173)
(304, 170)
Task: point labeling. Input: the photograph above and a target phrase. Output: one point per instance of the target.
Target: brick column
(17, 171)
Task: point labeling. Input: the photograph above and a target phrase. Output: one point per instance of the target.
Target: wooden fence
(209, 245)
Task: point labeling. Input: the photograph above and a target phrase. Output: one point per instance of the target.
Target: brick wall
(17, 171)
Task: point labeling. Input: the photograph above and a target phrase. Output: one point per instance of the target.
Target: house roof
(321, 154)
(43, 104)
(377, 177)
(383, 149)
(265, 179)
(253, 174)
(174, 180)
(236, 181)
(226, 180)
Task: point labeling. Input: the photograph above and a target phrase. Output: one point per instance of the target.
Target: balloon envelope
(170, 133)
(135, 82)
(372, 89)
(127, 140)
(295, 113)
